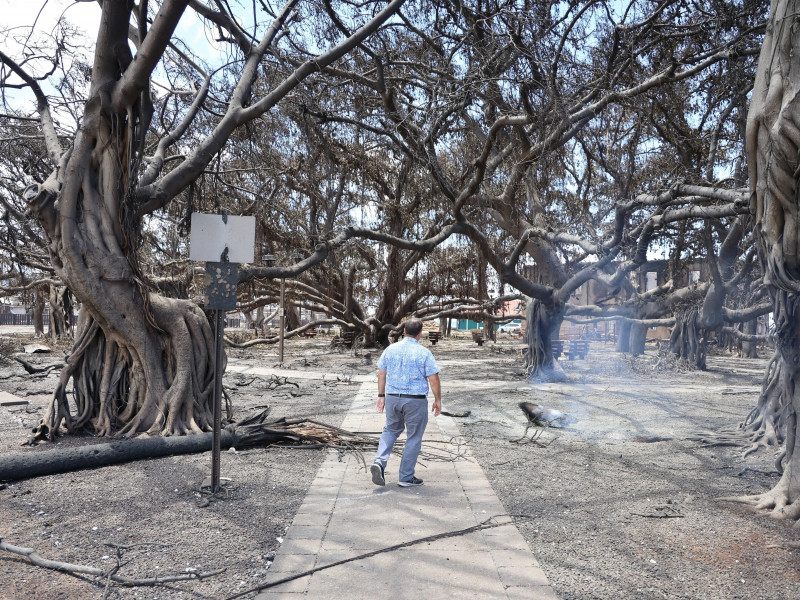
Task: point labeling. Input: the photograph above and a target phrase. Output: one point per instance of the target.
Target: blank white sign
(211, 235)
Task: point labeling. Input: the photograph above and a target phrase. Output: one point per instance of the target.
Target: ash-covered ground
(618, 503)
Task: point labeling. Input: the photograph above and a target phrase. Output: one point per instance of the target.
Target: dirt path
(598, 493)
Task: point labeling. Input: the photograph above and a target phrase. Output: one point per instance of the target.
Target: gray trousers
(403, 413)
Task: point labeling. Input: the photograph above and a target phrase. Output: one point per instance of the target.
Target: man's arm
(381, 390)
(436, 388)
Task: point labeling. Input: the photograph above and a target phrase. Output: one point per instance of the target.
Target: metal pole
(282, 321)
(215, 442)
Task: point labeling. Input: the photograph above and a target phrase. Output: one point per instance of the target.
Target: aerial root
(754, 440)
(776, 501)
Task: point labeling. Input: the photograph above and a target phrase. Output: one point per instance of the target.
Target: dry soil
(619, 503)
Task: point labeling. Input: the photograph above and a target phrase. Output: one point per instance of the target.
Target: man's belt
(419, 396)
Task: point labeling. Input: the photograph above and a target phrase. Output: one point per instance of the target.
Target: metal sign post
(219, 332)
(221, 291)
(282, 320)
(222, 242)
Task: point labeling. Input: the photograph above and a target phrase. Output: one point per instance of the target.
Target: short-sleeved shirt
(408, 366)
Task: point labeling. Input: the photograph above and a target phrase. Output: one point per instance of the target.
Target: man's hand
(437, 407)
(436, 388)
(381, 403)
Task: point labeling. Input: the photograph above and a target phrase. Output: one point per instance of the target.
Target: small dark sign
(221, 287)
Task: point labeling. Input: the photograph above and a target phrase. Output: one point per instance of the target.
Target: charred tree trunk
(773, 128)
(750, 349)
(140, 362)
(60, 312)
(623, 336)
(66, 460)
(687, 341)
(386, 312)
(489, 329)
(637, 338)
(292, 318)
(38, 313)
(543, 324)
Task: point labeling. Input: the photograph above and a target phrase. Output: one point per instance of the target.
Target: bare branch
(34, 558)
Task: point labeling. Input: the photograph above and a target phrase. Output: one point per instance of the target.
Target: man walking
(405, 370)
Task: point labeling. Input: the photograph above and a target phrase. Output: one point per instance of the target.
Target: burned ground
(620, 502)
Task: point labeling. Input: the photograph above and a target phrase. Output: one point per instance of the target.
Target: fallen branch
(35, 559)
(33, 369)
(255, 342)
(276, 381)
(487, 524)
(253, 431)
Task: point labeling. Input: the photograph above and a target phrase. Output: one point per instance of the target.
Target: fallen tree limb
(253, 431)
(33, 369)
(250, 343)
(48, 462)
(487, 524)
(35, 559)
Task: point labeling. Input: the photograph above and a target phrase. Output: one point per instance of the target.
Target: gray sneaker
(377, 474)
(410, 482)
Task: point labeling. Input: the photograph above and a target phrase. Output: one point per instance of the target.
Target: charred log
(250, 433)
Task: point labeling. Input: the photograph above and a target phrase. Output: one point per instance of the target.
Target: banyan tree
(142, 362)
(773, 140)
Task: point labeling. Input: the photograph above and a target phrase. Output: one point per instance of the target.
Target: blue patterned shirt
(408, 366)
